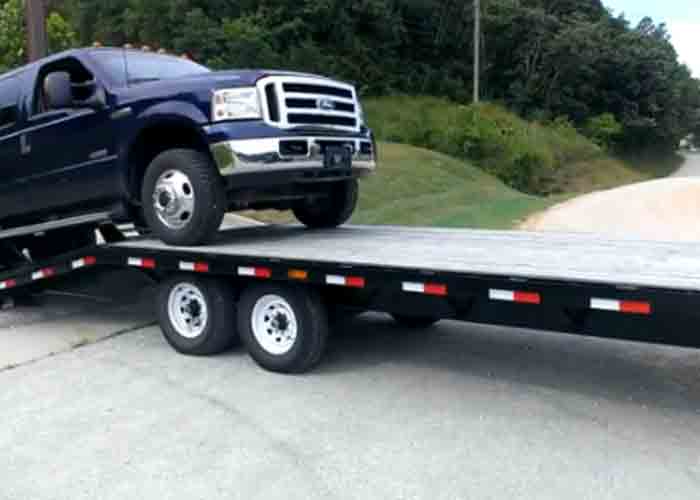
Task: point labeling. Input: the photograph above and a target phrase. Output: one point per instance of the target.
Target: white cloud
(684, 36)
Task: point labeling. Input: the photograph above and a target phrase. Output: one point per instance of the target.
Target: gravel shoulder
(665, 209)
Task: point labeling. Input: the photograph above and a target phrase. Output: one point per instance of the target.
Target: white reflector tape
(621, 306)
(424, 288)
(504, 295)
(246, 271)
(198, 267)
(77, 264)
(43, 274)
(350, 281)
(413, 287)
(140, 262)
(4, 285)
(255, 272)
(84, 262)
(517, 296)
(605, 305)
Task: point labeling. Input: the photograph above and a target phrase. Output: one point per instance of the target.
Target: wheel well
(153, 141)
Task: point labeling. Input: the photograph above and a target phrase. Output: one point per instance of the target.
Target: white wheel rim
(188, 310)
(173, 199)
(274, 324)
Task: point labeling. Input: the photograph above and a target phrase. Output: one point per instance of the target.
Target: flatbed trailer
(278, 288)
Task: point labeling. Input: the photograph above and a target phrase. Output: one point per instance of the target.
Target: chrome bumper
(294, 153)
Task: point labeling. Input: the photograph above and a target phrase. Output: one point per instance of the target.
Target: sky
(681, 16)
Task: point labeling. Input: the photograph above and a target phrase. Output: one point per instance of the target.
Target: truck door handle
(24, 146)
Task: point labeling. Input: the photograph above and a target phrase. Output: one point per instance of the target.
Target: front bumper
(298, 153)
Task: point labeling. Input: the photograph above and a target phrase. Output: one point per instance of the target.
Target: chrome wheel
(188, 310)
(173, 199)
(274, 324)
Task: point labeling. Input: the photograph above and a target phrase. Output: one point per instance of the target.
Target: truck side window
(9, 92)
(80, 77)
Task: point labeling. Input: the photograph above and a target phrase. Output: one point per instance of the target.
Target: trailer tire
(185, 299)
(417, 322)
(285, 328)
(332, 210)
(183, 198)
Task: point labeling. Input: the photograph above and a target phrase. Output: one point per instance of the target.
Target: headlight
(236, 104)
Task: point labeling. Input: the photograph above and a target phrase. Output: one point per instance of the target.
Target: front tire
(332, 210)
(183, 198)
(285, 328)
(197, 314)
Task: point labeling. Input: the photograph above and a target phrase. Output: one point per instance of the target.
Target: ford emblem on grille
(326, 104)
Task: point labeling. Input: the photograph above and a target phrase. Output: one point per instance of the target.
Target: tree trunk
(37, 40)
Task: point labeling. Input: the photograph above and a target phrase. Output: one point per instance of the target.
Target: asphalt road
(456, 411)
(691, 167)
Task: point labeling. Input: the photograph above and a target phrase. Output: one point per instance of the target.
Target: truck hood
(202, 82)
(242, 77)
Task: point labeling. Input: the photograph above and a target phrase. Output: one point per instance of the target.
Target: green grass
(414, 186)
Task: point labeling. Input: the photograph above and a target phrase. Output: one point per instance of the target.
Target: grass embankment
(442, 164)
(420, 187)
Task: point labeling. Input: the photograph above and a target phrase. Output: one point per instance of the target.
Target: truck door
(9, 141)
(69, 152)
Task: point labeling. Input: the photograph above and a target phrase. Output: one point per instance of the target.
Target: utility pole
(37, 40)
(477, 49)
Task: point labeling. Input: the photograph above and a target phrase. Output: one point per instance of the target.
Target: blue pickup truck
(170, 145)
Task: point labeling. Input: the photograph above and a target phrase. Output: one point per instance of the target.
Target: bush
(604, 130)
(525, 155)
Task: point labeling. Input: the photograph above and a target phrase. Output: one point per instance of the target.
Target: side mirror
(97, 101)
(58, 90)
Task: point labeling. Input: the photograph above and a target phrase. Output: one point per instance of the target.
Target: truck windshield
(132, 67)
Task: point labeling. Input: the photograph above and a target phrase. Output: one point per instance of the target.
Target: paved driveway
(453, 412)
(691, 167)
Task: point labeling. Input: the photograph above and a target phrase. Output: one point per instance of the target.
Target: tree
(13, 35)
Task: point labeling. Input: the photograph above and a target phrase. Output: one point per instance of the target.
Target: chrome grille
(290, 102)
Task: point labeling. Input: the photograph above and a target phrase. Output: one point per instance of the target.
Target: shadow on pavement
(652, 375)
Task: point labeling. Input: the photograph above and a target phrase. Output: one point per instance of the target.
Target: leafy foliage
(533, 157)
(12, 34)
(604, 130)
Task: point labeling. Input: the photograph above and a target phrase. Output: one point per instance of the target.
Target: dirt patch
(666, 209)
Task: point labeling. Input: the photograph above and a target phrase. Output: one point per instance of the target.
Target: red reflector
(630, 307)
(355, 282)
(527, 298)
(48, 272)
(90, 261)
(263, 272)
(435, 289)
(201, 267)
(148, 263)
